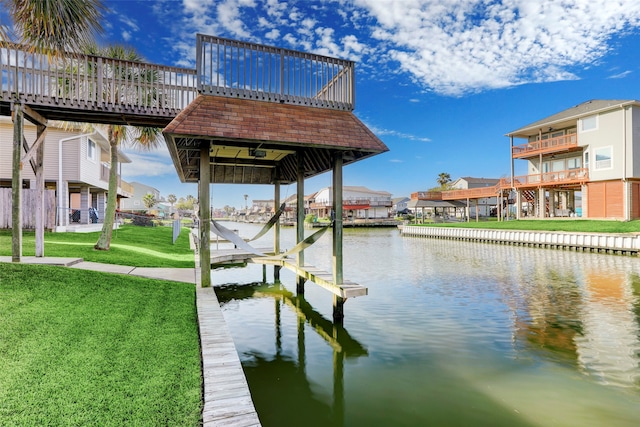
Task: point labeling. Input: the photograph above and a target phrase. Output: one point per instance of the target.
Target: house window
(91, 150)
(574, 163)
(603, 158)
(589, 123)
(586, 160)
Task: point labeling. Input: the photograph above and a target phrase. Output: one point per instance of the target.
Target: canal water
(451, 334)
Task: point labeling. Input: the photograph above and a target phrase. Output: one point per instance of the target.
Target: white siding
(609, 133)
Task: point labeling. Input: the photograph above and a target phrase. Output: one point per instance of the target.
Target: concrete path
(227, 399)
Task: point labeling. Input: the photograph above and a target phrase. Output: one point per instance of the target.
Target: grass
(130, 245)
(577, 225)
(86, 348)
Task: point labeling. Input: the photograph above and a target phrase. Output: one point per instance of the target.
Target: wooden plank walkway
(227, 400)
(320, 277)
(313, 274)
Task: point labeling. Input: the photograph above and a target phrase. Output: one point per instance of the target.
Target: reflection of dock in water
(289, 373)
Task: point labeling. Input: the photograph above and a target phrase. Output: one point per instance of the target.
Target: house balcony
(545, 146)
(354, 204)
(558, 178)
(124, 188)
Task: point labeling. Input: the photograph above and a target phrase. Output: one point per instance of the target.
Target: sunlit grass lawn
(572, 225)
(130, 245)
(92, 349)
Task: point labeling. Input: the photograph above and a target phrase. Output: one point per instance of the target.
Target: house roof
(419, 203)
(257, 142)
(569, 116)
(358, 189)
(479, 181)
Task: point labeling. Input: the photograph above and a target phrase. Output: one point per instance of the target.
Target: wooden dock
(321, 278)
(227, 400)
(313, 274)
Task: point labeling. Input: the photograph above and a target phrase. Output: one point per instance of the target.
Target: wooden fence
(29, 199)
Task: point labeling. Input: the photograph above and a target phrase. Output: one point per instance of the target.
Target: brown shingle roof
(224, 118)
(259, 142)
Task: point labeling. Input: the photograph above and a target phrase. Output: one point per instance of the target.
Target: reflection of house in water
(610, 346)
(285, 372)
(579, 309)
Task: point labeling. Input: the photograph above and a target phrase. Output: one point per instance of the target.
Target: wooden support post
(276, 230)
(205, 216)
(264, 273)
(41, 132)
(300, 220)
(338, 308)
(337, 223)
(16, 184)
(477, 212)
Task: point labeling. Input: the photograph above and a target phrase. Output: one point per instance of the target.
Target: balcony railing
(571, 176)
(246, 70)
(550, 145)
(426, 195)
(91, 82)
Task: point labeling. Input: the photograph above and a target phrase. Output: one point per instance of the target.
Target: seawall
(624, 244)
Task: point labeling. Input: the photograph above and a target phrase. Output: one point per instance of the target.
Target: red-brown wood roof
(225, 118)
(233, 127)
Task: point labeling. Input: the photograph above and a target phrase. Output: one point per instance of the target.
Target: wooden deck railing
(246, 70)
(571, 176)
(92, 82)
(76, 82)
(545, 146)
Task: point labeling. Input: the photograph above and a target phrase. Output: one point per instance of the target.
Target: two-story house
(357, 203)
(76, 167)
(135, 203)
(583, 161)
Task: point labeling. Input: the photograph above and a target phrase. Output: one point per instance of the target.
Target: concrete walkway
(227, 400)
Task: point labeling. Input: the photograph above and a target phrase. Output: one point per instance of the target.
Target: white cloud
(155, 163)
(470, 45)
(452, 48)
(401, 135)
(621, 75)
(126, 36)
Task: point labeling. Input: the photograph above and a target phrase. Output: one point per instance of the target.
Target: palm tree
(50, 27)
(53, 26)
(443, 179)
(171, 198)
(145, 138)
(149, 200)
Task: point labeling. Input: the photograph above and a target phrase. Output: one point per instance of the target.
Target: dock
(324, 279)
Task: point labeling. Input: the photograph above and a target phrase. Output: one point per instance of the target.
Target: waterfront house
(399, 205)
(357, 203)
(135, 202)
(485, 204)
(583, 161)
(76, 171)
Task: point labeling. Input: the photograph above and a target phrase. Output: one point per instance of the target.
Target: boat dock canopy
(256, 142)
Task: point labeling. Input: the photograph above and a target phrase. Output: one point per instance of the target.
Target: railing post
(100, 92)
(198, 61)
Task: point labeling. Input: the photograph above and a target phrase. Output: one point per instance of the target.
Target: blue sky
(440, 82)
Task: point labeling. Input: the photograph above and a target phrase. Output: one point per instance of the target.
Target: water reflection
(287, 376)
(456, 333)
(572, 308)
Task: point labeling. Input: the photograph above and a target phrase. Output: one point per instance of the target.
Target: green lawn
(573, 225)
(92, 349)
(130, 245)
